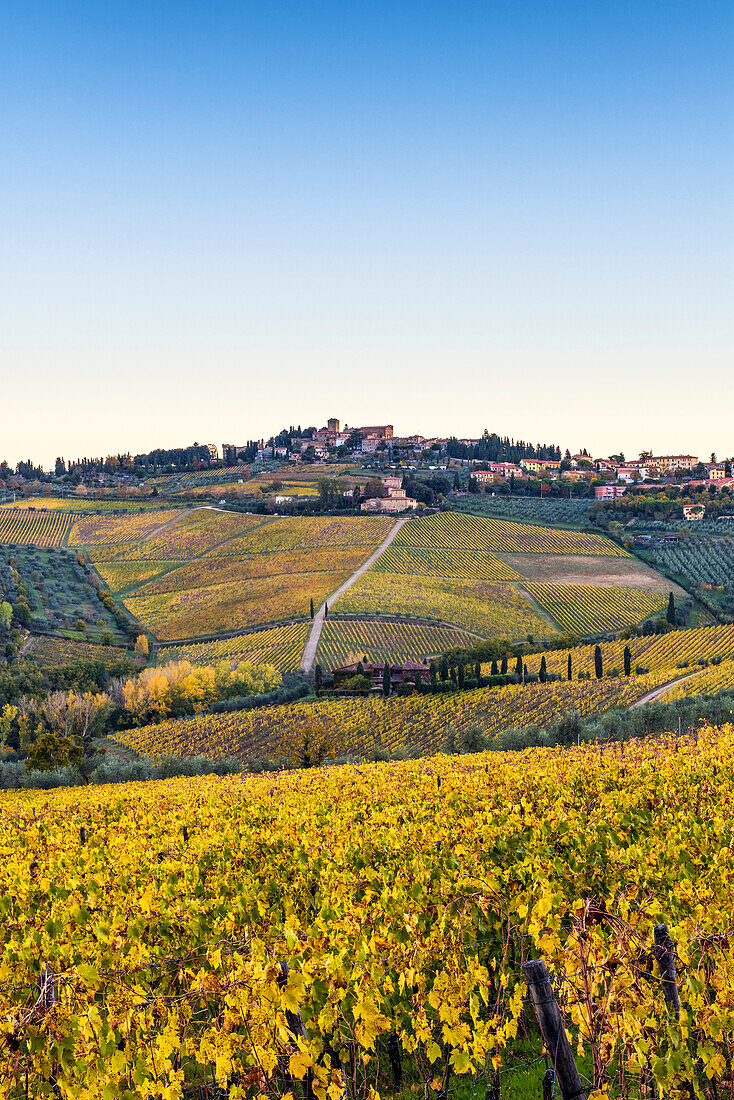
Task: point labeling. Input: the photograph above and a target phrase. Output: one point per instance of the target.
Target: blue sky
(221, 218)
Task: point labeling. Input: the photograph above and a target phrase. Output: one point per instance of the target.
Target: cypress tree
(569, 669)
(525, 674)
(432, 674)
(318, 677)
(671, 609)
(312, 607)
(360, 668)
(598, 667)
(503, 666)
(518, 668)
(452, 672)
(326, 611)
(444, 669)
(543, 674)
(627, 661)
(494, 666)
(386, 679)
(461, 676)
(477, 672)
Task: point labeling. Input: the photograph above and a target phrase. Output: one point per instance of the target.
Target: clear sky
(221, 218)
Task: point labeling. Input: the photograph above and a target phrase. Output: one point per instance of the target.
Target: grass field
(344, 642)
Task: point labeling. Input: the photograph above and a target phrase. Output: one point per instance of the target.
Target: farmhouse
(395, 501)
(399, 674)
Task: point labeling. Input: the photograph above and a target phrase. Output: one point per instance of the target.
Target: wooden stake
(664, 952)
(551, 1026)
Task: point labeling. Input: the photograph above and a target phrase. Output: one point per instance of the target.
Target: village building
(609, 492)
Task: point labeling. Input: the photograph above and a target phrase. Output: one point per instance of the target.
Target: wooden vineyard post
(550, 1021)
(663, 950)
(296, 1025)
(396, 1063)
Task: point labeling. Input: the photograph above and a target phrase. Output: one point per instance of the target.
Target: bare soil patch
(590, 569)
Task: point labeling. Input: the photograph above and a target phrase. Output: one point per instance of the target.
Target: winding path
(309, 653)
(651, 696)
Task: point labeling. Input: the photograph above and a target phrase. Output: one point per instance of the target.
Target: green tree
(671, 609)
(461, 675)
(312, 607)
(53, 750)
(6, 615)
(444, 669)
(569, 667)
(543, 673)
(432, 674)
(598, 666)
(518, 667)
(318, 677)
(386, 680)
(503, 666)
(627, 660)
(493, 670)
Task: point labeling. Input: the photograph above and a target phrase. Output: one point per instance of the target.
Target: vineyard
(676, 651)
(595, 609)
(342, 643)
(49, 651)
(471, 571)
(19, 527)
(417, 724)
(710, 681)
(82, 505)
(281, 647)
(479, 606)
(203, 571)
(450, 530)
(439, 562)
(143, 928)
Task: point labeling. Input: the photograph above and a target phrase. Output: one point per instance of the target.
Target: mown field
(203, 571)
(140, 957)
